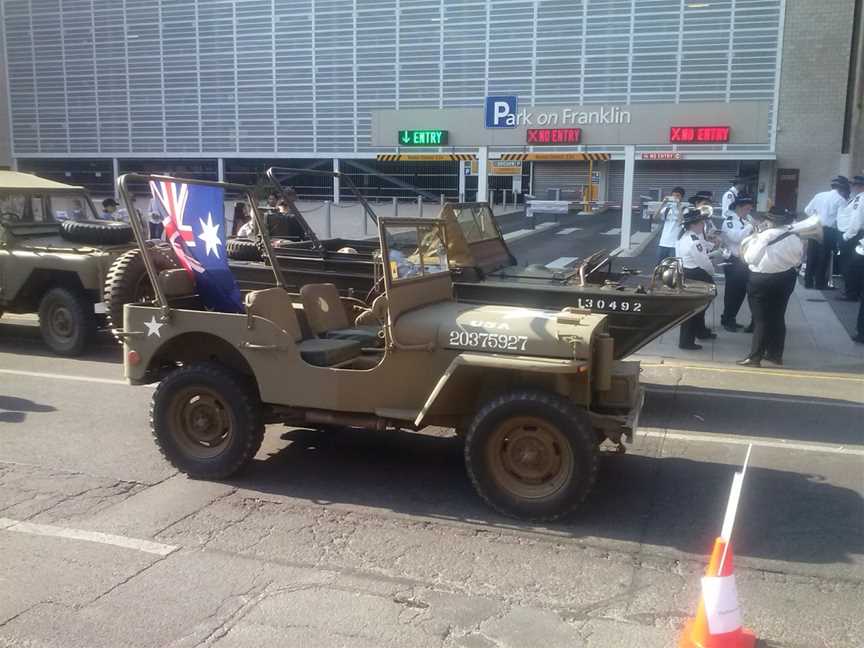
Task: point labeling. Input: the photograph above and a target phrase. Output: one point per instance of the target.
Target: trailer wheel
(241, 249)
(531, 455)
(96, 232)
(206, 420)
(66, 321)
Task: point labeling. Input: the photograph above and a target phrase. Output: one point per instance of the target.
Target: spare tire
(96, 232)
(242, 249)
(127, 281)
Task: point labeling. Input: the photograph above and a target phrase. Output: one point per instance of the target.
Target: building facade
(221, 88)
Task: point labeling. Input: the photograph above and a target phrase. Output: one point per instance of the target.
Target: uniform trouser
(855, 285)
(847, 260)
(695, 325)
(769, 294)
(736, 272)
(819, 259)
(665, 253)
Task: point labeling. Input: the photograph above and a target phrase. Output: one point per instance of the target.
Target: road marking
(51, 531)
(561, 262)
(761, 398)
(686, 435)
(613, 232)
(568, 230)
(522, 233)
(39, 374)
(779, 372)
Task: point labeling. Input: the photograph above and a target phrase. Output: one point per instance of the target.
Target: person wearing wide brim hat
(693, 250)
(736, 227)
(848, 219)
(109, 208)
(772, 256)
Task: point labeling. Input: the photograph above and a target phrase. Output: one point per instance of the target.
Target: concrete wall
(5, 142)
(857, 148)
(812, 103)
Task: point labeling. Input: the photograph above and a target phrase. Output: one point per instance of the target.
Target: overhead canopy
(12, 180)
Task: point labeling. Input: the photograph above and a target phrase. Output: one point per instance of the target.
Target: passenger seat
(275, 304)
(328, 319)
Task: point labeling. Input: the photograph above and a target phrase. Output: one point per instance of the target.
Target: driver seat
(328, 319)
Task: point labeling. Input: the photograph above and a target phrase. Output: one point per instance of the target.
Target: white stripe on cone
(721, 604)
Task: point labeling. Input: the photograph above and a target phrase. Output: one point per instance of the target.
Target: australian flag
(194, 220)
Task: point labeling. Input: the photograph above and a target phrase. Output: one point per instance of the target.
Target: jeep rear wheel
(531, 455)
(206, 421)
(66, 321)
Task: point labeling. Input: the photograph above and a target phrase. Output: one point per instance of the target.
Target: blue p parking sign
(501, 111)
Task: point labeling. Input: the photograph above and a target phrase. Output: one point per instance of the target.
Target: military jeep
(532, 392)
(54, 257)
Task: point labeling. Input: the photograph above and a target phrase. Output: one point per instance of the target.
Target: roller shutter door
(569, 177)
(695, 175)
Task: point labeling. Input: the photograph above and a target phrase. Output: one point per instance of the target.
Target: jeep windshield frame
(248, 192)
(388, 241)
(275, 173)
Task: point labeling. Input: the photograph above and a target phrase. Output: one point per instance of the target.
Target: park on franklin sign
(505, 121)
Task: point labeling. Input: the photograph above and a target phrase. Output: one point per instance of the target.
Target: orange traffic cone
(697, 632)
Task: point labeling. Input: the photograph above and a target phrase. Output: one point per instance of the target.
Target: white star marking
(210, 235)
(153, 327)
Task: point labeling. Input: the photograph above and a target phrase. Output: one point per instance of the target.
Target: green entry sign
(434, 137)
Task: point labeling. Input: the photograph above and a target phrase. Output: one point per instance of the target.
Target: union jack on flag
(194, 220)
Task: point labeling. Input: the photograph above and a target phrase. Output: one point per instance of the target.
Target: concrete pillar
(627, 198)
(336, 182)
(220, 169)
(462, 167)
(483, 173)
(328, 220)
(765, 184)
(14, 164)
(115, 170)
(603, 169)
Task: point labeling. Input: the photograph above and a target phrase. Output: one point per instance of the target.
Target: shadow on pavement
(670, 501)
(777, 416)
(25, 340)
(14, 409)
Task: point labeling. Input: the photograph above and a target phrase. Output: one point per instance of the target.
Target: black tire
(127, 281)
(96, 232)
(214, 396)
(241, 249)
(561, 438)
(66, 320)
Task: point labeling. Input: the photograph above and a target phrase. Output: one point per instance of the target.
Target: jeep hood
(501, 330)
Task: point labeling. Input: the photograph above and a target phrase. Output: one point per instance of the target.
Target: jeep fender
(560, 373)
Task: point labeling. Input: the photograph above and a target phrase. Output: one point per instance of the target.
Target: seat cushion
(326, 353)
(365, 335)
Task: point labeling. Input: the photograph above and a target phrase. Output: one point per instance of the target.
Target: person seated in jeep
(282, 224)
(109, 209)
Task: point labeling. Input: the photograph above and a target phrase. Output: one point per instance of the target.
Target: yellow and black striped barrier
(425, 157)
(595, 157)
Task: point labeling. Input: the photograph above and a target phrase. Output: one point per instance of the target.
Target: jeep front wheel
(531, 455)
(66, 321)
(206, 421)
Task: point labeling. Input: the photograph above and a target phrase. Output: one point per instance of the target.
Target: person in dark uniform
(773, 257)
(693, 250)
(848, 215)
(736, 227)
(282, 224)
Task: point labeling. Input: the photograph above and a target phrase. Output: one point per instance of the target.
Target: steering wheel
(12, 216)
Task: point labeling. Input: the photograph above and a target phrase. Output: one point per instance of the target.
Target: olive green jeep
(532, 392)
(54, 257)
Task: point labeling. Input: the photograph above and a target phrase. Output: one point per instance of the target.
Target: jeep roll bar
(273, 174)
(142, 241)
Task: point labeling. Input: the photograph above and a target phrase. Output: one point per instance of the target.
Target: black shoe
(858, 338)
(749, 328)
(848, 298)
(732, 328)
(774, 361)
(750, 362)
(808, 286)
(708, 335)
(690, 347)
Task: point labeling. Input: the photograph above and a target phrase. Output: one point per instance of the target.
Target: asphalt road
(371, 539)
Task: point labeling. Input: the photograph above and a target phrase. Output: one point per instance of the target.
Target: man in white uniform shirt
(854, 234)
(694, 250)
(825, 204)
(773, 256)
(736, 227)
(731, 195)
(845, 218)
(669, 214)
